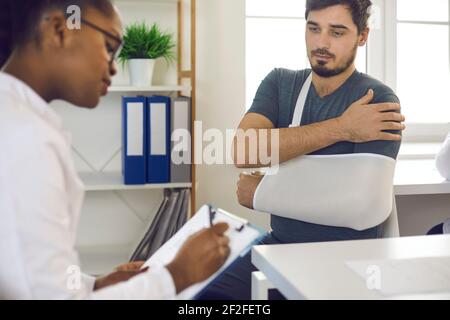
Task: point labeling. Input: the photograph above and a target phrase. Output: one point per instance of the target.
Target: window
(275, 38)
(408, 49)
(422, 60)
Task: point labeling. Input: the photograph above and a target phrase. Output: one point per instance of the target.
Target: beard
(323, 71)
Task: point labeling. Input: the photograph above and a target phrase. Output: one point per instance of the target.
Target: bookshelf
(114, 214)
(183, 75)
(110, 181)
(172, 88)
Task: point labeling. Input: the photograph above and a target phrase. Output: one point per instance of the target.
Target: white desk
(419, 177)
(318, 270)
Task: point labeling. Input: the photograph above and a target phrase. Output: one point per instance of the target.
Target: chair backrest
(390, 228)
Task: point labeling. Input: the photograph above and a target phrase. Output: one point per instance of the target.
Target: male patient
(345, 112)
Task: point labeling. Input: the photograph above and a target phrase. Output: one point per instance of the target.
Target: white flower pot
(141, 72)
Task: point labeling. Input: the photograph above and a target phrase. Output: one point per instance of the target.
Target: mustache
(323, 52)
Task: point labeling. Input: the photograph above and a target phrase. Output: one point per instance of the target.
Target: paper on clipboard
(240, 241)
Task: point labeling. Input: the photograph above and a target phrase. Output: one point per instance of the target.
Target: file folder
(183, 216)
(167, 222)
(134, 140)
(142, 251)
(170, 217)
(180, 164)
(158, 126)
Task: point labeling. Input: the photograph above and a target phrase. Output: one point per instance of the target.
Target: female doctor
(40, 192)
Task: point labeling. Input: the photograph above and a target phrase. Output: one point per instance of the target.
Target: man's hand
(246, 188)
(364, 122)
(123, 272)
(201, 255)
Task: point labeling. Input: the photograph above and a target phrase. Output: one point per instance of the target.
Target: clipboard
(242, 234)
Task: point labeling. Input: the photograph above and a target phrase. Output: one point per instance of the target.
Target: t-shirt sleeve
(266, 102)
(382, 147)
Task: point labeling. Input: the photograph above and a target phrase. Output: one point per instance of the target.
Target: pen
(212, 214)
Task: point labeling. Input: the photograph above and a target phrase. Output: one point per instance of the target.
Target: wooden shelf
(99, 260)
(110, 181)
(184, 9)
(171, 88)
(419, 177)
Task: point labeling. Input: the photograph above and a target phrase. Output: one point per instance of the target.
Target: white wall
(221, 94)
(418, 214)
(165, 15)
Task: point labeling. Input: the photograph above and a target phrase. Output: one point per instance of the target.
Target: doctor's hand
(365, 122)
(201, 256)
(123, 272)
(246, 188)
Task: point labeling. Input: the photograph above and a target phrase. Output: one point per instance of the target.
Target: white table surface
(318, 270)
(416, 177)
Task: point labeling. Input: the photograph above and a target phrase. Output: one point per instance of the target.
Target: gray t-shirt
(276, 99)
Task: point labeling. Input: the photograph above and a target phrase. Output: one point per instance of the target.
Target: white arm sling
(346, 190)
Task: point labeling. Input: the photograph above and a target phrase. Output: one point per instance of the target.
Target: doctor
(40, 192)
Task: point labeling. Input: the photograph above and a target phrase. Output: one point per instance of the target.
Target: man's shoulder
(383, 93)
(290, 74)
(282, 76)
(366, 80)
(288, 81)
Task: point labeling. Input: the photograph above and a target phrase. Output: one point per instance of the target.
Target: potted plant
(142, 46)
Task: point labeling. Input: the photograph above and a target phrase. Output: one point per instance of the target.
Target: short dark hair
(358, 8)
(22, 16)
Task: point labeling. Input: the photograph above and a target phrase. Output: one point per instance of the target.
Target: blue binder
(134, 140)
(158, 152)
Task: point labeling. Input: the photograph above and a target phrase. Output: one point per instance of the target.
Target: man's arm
(362, 122)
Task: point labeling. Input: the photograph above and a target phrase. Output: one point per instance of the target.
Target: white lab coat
(40, 201)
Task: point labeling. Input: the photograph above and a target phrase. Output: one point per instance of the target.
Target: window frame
(382, 64)
(290, 17)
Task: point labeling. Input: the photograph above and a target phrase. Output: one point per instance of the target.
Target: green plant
(142, 42)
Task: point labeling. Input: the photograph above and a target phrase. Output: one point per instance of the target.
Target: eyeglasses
(113, 52)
